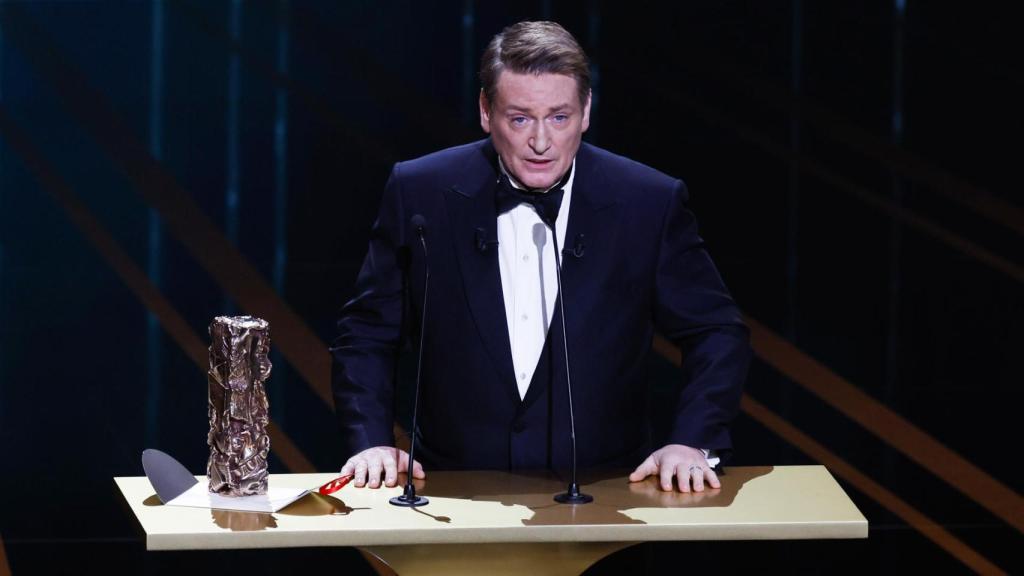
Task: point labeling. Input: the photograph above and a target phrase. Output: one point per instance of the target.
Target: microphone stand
(409, 498)
(572, 495)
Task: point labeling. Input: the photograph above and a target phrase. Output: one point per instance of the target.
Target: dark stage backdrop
(853, 165)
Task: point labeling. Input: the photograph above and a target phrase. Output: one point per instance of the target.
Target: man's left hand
(686, 464)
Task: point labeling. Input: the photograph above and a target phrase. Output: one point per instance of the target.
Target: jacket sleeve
(694, 310)
(364, 354)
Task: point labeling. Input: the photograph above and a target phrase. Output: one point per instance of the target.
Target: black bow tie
(546, 203)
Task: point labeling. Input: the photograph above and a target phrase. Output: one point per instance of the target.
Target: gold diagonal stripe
(887, 425)
(914, 518)
(129, 273)
(5, 568)
(881, 421)
(917, 222)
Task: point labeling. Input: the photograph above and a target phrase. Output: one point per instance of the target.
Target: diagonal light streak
(133, 277)
(913, 517)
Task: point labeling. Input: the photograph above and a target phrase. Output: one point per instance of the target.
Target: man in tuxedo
(489, 219)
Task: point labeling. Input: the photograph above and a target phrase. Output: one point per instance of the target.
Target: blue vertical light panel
(154, 360)
(279, 375)
(231, 192)
(470, 86)
(890, 394)
(898, 186)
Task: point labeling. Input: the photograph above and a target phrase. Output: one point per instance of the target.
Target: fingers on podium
(368, 466)
(697, 477)
(359, 470)
(682, 474)
(380, 462)
(712, 478)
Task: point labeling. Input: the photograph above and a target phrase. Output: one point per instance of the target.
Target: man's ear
(485, 112)
(586, 112)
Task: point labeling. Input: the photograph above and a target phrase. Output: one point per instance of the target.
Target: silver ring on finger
(696, 467)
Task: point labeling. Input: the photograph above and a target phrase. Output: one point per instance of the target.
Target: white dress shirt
(526, 259)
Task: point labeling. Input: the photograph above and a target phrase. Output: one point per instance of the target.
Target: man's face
(536, 123)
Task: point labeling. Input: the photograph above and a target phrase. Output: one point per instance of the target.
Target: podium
(507, 523)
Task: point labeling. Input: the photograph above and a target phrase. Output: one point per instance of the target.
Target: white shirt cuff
(709, 455)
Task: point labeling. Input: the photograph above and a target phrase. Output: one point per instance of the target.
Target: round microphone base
(409, 501)
(566, 498)
(573, 496)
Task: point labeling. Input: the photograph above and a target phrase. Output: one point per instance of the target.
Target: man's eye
(519, 120)
(560, 118)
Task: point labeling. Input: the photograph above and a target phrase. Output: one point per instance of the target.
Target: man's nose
(540, 141)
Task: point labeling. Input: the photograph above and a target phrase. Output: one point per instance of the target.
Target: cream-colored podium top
(762, 503)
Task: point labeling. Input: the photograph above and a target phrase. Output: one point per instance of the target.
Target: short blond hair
(534, 48)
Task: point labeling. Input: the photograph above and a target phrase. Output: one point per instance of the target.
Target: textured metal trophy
(238, 439)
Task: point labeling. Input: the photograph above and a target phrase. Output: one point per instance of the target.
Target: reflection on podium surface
(243, 521)
(311, 504)
(613, 493)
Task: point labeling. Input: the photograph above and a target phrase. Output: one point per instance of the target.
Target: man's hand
(688, 465)
(368, 465)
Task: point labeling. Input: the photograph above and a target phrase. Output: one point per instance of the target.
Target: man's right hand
(368, 466)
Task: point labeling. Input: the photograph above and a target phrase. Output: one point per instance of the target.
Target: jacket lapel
(590, 242)
(471, 210)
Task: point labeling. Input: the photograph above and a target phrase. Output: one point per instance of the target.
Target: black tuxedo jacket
(632, 263)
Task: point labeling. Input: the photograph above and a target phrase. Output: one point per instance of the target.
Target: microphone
(420, 224)
(481, 241)
(572, 494)
(578, 249)
(409, 497)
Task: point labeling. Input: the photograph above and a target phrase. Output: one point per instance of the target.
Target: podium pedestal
(490, 559)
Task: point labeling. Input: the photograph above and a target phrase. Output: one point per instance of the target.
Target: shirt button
(525, 317)
(526, 257)
(522, 375)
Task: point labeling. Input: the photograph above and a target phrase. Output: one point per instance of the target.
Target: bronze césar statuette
(238, 407)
